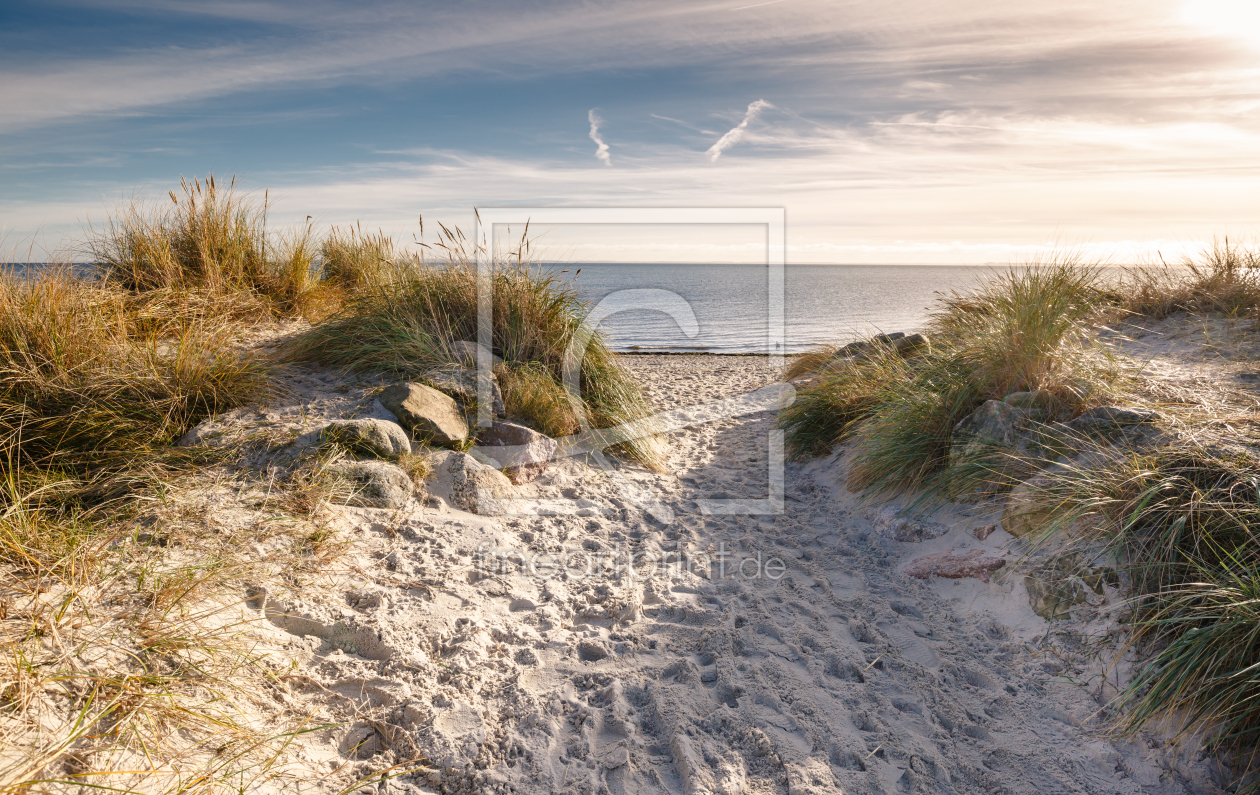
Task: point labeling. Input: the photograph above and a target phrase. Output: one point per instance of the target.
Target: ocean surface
(729, 303)
(822, 303)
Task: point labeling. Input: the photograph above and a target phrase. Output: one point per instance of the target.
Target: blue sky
(904, 131)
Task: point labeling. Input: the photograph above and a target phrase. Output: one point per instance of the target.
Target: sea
(691, 308)
(730, 307)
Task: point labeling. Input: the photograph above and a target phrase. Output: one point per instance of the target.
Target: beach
(752, 653)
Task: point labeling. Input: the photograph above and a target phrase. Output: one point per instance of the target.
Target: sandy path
(704, 672)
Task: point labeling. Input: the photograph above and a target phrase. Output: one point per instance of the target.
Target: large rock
(994, 428)
(1024, 515)
(427, 414)
(461, 384)
(912, 344)
(955, 565)
(521, 452)
(380, 438)
(467, 484)
(904, 344)
(373, 484)
(1108, 423)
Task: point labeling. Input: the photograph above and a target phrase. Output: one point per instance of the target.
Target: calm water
(822, 303)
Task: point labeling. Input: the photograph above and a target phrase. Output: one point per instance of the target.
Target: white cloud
(601, 153)
(734, 135)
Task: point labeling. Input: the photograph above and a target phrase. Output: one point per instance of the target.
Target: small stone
(465, 352)
(981, 533)
(521, 452)
(427, 414)
(1053, 597)
(374, 484)
(889, 524)
(888, 339)
(380, 438)
(955, 565)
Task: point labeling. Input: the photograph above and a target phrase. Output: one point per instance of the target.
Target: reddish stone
(955, 565)
(984, 532)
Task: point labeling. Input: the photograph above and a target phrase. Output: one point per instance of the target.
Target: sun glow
(1239, 18)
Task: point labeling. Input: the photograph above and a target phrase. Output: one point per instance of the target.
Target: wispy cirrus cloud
(601, 153)
(735, 134)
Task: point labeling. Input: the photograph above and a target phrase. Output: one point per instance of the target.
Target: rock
(981, 533)
(853, 349)
(465, 353)
(912, 344)
(373, 484)
(522, 453)
(467, 484)
(994, 428)
(427, 414)
(1036, 399)
(904, 344)
(955, 565)
(461, 384)
(1023, 515)
(889, 524)
(380, 438)
(1053, 595)
(1108, 422)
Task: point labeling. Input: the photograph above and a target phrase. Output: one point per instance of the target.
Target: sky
(897, 131)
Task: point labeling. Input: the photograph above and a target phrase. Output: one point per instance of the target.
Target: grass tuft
(409, 324)
(1225, 279)
(1184, 519)
(1024, 329)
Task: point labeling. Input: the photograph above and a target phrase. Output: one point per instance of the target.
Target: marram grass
(1184, 520)
(1024, 329)
(409, 323)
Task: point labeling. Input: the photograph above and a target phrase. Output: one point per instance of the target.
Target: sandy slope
(700, 673)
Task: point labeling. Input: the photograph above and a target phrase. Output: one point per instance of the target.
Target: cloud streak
(735, 134)
(601, 153)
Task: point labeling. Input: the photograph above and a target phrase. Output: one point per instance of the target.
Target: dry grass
(1184, 520)
(124, 663)
(213, 242)
(808, 362)
(1224, 280)
(1026, 329)
(408, 324)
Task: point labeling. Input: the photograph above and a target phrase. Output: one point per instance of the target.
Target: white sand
(841, 675)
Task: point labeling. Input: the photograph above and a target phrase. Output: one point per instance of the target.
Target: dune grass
(115, 655)
(1224, 279)
(211, 241)
(1024, 329)
(90, 392)
(409, 323)
(1184, 520)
